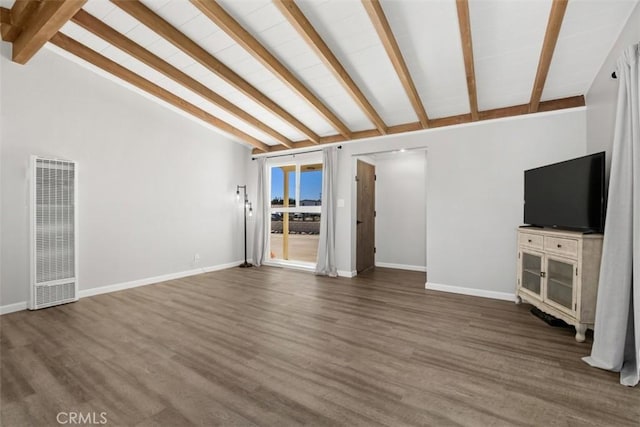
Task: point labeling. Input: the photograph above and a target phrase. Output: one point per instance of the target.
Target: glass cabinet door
(560, 282)
(530, 276)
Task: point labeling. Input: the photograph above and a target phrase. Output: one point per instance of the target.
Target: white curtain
(261, 233)
(616, 344)
(326, 262)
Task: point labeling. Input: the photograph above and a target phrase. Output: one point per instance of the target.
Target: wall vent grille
(48, 295)
(54, 240)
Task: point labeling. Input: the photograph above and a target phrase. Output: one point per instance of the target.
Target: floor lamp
(247, 205)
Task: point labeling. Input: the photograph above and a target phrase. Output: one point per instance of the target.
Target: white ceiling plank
(265, 116)
(179, 11)
(216, 42)
(142, 35)
(507, 40)
(277, 34)
(76, 32)
(429, 37)
(198, 28)
(120, 20)
(589, 30)
(99, 8)
(156, 5)
(270, 29)
(256, 16)
(113, 53)
(273, 31)
(348, 32)
(233, 56)
(162, 48)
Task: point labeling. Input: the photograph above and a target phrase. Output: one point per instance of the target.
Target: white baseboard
(84, 293)
(505, 296)
(344, 273)
(10, 308)
(402, 266)
(221, 267)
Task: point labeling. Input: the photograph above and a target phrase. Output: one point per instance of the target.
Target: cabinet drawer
(561, 246)
(530, 240)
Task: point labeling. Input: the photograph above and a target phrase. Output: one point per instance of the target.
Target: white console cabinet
(558, 273)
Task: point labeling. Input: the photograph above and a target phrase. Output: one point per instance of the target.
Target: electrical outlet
(196, 259)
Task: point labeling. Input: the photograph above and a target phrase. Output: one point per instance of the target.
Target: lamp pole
(246, 204)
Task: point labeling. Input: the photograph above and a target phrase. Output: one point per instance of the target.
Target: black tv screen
(568, 195)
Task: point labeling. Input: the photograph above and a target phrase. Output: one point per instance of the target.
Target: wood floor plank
(271, 346)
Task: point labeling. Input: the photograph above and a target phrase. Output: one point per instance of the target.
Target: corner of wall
(602, 94)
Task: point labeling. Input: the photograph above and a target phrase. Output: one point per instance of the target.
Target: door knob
(358, 222)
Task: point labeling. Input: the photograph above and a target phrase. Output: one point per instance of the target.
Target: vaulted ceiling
(281, 74)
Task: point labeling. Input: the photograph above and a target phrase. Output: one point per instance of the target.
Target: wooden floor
(278, 348)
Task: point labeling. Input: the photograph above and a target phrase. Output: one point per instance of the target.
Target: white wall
(155, 188)
(401, 209)
(474, 192)
(602, 96)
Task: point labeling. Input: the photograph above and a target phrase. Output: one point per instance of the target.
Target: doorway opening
(390, 210)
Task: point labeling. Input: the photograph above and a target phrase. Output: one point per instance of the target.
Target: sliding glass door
(296, 196)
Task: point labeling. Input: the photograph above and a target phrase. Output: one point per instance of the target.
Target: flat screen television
(567, 195)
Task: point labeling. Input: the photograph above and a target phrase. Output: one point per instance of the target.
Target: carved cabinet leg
(581, 330)
(518, 300)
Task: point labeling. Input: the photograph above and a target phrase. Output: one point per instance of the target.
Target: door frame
(354, 202)
(293, 160)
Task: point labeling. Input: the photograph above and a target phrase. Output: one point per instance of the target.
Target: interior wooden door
(365, 217)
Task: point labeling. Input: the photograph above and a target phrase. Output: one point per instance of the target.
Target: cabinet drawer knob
(529, 240)
(559, 245)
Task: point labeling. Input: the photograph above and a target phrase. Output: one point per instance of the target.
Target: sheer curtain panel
(326, 262)
(616, 344)
(261, 234)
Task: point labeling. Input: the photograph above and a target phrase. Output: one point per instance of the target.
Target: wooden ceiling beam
(498, 113)
(93, 57)
(21, 6)
(108, 34)
(228, 24)
(15, 18)
(379, 21)
(556, 15)
(464, 23)
(145, 15)
(6, 23)
(302, 25)
(40, 25)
